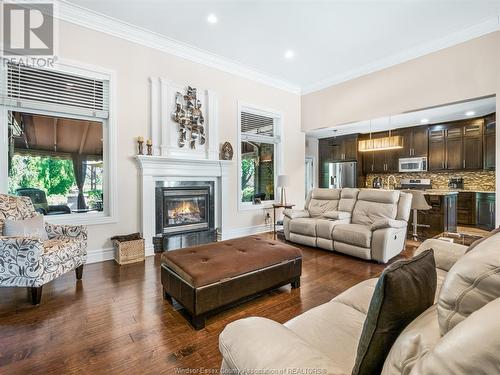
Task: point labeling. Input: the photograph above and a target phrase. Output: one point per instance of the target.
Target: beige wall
(465, 71)
(468, 70)
(134, 64)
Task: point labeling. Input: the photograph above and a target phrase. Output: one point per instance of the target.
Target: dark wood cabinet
(383, 161)
(456, 146)
(334, 149)
(466, 208)
(485, 210)
(442, 217)
(489, 141)
(415, 142)
(437, 147)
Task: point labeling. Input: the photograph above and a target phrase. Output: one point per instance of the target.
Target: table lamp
(283, 182)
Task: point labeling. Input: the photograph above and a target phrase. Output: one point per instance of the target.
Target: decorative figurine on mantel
(140, 143)
(190, 118)
(226, 152)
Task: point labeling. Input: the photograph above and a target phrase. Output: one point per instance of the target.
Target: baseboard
(245, 231)
(100, 255)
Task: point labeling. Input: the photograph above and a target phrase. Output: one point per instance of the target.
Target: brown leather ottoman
(204, 279)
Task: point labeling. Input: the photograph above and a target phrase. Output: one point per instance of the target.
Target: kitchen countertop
(455, 191)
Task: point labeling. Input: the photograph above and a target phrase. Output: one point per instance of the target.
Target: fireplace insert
(184, 208)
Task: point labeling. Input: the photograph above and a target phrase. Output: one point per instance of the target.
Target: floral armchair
(30, 262)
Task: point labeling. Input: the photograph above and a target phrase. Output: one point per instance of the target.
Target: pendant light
(392, 142)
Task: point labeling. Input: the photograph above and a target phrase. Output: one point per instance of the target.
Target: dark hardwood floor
(115, 321)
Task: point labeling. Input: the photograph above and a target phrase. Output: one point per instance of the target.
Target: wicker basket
(129, 251)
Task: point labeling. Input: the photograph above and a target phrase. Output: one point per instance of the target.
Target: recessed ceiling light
(212, 18)
(424, 120)
(470, 113)
(289, 54)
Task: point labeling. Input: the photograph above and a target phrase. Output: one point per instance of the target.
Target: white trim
(96, 21)
(100, 255)
(245, 231)
(109, 140)
(483, 28)
(278, 150)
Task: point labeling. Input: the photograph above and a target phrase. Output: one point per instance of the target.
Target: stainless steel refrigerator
(342, 174)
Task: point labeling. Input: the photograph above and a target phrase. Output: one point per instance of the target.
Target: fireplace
(184, 213)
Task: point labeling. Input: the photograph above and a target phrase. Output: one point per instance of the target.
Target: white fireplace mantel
(161, 168)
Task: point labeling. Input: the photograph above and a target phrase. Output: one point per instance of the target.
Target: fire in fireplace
(182, 211)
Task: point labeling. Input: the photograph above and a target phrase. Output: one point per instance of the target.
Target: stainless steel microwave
(413, 164)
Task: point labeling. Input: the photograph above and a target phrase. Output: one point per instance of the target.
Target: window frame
(278, 151)
(110, 212)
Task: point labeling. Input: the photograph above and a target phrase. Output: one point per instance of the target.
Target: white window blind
(255, 126)
(39, 88)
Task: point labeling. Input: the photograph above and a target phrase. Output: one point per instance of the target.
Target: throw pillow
(404, 290)
(32, 227)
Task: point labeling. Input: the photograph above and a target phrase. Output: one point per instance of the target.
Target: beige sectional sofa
(458, 335)
(367, 223)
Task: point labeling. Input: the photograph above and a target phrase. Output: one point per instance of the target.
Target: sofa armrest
(254, 344)
(445, 253)
(388, 223)
(337, 215)
(20, 260)
(73, 231)
(294, 214)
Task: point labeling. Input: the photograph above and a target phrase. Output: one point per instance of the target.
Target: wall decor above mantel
(184, 121)
(189, 116)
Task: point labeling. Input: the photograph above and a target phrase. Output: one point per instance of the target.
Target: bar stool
(418, 203)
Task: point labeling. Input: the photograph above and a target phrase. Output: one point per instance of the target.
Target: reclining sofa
(368, 223)
(458, 335)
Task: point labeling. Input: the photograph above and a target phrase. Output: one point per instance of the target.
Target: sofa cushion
(354, 234)
(32, 227)
(404, 290)
(322, 200)
(337, 215)
(477, 242)
(348, 198)
(472, 282)
(473, 347)
(304, 225)
(324, 227)
(375, 204)
(337, 337)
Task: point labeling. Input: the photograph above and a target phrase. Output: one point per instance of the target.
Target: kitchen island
(442, 216)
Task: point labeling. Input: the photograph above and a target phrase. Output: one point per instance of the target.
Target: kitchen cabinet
(456, 146)
(466, 208)
(489, 141)
(485, 210)
(414, 140)
(384, 161)
(442, 217)
(436, 147)
(335, 149)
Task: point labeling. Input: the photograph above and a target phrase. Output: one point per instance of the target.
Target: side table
(275, 206)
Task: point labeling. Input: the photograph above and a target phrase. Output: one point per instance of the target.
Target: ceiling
(435, 115)
(331, 40)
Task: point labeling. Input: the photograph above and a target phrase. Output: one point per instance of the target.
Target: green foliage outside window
(54, 176)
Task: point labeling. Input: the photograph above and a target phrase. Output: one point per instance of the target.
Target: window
(259, 150)
(58, 142)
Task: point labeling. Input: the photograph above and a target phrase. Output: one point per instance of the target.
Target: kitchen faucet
(389, 182)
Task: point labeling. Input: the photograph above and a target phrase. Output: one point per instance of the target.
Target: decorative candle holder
(140, 143)
(149, 146)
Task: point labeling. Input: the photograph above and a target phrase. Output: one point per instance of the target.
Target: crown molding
(486, 27)
(99, 22)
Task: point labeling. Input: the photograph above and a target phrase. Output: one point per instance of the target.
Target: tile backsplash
(473, 180)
